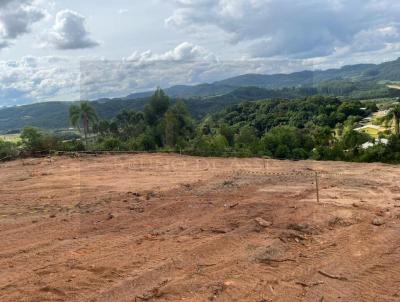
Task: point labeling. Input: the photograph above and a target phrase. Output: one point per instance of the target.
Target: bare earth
(176, 228)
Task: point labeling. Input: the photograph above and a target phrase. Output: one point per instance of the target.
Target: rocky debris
(228, 183)
(155, 292)
(291, 235)
(273, 253)
(262, 222)
(136, 208)
(150, 195)
(340, 221)
(187, 187)
(304, 228)
(378, 221)
(217, 290)
(215, 230)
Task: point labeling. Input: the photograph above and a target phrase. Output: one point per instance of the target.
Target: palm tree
(82, 115)
(394, 115)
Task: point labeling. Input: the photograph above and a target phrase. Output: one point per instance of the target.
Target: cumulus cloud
(293, 28)
(17, 18)
(183, 52)
(34, 79)
(70, 32)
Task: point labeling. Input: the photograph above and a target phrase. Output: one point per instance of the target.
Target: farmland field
(177, 228)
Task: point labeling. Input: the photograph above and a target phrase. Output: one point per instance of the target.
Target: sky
(65, 50)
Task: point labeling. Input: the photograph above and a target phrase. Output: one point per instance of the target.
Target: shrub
(71, 146)
(8, 150)
(112, 144)
(35, 141)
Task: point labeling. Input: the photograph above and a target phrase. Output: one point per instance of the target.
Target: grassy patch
(15, 138)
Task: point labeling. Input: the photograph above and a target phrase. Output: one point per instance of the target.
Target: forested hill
(54, 115)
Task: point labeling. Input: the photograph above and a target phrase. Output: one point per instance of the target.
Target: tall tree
(394, 116)
(157, 107)
(179, 126)
(82, 117)
(130, 123)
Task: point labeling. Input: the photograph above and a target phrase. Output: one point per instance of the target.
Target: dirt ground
(176, 228)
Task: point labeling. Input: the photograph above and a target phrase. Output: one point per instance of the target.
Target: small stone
(378, 221)
(262, 222)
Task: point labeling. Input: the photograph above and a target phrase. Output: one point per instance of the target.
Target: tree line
(314, 127)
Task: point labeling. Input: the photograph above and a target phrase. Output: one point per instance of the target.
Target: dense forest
(313, 127)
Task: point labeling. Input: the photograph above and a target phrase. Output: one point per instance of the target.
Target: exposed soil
(176, 228)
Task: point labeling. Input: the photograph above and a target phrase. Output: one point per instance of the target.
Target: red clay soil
(176, 228)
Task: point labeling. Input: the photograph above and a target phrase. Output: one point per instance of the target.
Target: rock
(378, 221)
(304, 228)
(110, 216)
(274, 252)
(262, 222)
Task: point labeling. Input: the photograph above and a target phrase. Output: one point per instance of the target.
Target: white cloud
(70, 32)
(17, 18)
(183, 52)
(292, 28)
(34, 79)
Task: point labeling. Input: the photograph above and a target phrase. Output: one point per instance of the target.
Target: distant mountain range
(371, 73)
(353, 81)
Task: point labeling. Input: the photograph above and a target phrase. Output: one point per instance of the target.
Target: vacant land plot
(177, 228)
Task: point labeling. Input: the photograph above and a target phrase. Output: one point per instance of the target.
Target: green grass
(15, 138)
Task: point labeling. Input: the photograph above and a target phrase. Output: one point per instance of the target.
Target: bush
(71, 146)
(353, 139)
(146, 142)
(8, 150)
(281, 141)
(210, 145)
(299, 153)
(112, 144)
(35, 141)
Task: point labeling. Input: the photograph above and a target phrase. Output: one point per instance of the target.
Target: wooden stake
(317, 185)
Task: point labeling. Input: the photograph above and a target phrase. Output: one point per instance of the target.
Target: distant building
(371, 130)
(379, 141)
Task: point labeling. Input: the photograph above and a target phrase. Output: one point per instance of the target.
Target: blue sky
(64, 49)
